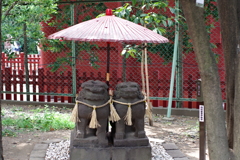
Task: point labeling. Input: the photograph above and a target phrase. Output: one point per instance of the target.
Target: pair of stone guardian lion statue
(95, 107)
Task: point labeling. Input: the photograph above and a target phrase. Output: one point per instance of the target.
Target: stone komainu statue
(129, 103)
(93, 110)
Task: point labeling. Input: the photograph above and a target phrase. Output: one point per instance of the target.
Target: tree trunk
(26, 60)
(236, 132)
(236, 109)
(227, 9)
(215, 123)
(1, 147)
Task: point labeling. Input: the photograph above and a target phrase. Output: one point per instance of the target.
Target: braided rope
(128, 116)
(93, 122)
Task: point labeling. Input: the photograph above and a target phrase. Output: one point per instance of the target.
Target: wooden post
(202, 125)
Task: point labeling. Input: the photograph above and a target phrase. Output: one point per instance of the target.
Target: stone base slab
(111, 153)
(131, 141)
(89, 141)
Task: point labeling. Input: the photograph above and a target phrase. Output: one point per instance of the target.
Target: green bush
(44, 119)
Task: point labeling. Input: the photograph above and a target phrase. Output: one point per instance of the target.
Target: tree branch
(9, 9)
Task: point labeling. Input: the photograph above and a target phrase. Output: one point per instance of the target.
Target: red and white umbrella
(110, 29)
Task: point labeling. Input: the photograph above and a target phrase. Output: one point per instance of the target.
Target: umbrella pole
(107, 80)
(142, 72)
(147, 87)
(108, 64)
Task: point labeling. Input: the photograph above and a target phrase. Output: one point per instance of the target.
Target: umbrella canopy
(109, 29)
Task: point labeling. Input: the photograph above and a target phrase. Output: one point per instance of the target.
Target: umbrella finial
(108, 12)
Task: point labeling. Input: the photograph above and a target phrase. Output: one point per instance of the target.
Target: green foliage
(44, 119)
(62, 19)
(16, 13)
(84, 49)
(142, 13)
(154, 16)
(8, 133)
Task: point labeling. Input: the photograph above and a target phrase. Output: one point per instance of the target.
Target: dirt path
(183, 131)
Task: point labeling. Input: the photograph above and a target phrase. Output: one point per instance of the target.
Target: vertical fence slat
(34, 83)
(41, 83)
(2, 79)
(14, 81)
(3, 61)
(22, 61)
(55, 86)
(69, 79)
(21, 76)
(189, 88)
(48, 85)
(8, 82)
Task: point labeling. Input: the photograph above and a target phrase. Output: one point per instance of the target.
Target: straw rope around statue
(128, 116)
(93, 122)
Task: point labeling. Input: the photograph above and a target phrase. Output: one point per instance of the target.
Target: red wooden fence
(45, 85)
(17, 63)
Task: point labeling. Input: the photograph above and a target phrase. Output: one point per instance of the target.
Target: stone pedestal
(130, 141)
(111, 153)
(126, 149)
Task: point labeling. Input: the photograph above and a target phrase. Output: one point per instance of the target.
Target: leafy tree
(18, 17)
(17, 13)
(222, 145)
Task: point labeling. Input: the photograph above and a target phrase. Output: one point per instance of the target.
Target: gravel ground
(60, 151)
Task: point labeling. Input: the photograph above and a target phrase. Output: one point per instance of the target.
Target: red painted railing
(45, 84)
(17, 63)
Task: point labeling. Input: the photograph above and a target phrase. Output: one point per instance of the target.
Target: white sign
(200, 3)
(201, 113)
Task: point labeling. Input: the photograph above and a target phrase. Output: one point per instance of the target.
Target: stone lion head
(93, 90)
(128, 90)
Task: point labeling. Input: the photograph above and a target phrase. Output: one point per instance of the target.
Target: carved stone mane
(128, 90)
(94, 91)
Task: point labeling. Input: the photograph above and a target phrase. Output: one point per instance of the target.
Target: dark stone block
(140, 153)
(89, 141)
(131, 141)
(111, 153)
(81, 153)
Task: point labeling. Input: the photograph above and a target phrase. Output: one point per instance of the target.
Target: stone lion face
(128, 90)
(94, 90)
